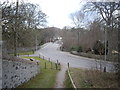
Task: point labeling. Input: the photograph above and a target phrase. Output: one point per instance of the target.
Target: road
(52, 51)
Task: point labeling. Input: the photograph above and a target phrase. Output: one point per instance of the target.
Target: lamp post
(105, 48)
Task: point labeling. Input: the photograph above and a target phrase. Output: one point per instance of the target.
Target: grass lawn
(24, 53)
(93, 79)
(46, 78)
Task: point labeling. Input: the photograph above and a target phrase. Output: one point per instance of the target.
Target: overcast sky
(58, 11)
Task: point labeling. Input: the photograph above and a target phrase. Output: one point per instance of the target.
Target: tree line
(23, 25)
(95, 23)
(96, 30)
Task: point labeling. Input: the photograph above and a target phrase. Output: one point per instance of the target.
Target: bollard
(59, 67)
(49, 59)
(68, 65)
(51, 65)
(43, 57)
(57, 61)
(45, 65)
(104, 69)
(56, 65)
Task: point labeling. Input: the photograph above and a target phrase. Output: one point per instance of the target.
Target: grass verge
(93, 79)
(67, 82)
(24, 53)
(46, 78)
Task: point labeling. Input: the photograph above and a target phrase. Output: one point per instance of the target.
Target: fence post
(49, 59)
(59, 66)
(57, 61)
(56, 65)
(68, 65)
(104, 69)
(45, 65)
(51, 65)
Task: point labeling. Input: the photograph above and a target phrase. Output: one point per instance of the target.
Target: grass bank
(93, 79)
(24, 53)
(46, 78)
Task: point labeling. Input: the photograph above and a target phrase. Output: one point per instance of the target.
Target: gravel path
(61, 77)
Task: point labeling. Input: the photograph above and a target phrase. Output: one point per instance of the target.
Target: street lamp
(105, 48)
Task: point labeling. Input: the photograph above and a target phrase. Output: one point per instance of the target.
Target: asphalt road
(52, 51)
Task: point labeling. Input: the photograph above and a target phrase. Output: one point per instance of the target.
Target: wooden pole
(49, 59)
(56, 65)
(51, 65)
(57, 61)
(45, 65)
(105, 47)
(59, 66)
(68, 65)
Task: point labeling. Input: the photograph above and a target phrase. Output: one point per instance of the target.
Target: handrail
(71, 79)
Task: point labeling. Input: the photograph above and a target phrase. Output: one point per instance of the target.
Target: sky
(58, 11)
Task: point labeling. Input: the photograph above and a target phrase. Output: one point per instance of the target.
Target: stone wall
(16, 71)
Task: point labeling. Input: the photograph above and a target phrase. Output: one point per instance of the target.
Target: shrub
(79, 49)
(99, 48)
(73, 48)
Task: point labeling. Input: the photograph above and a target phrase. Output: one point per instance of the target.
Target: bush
(99, 48)
(79, 49)
(73, 48)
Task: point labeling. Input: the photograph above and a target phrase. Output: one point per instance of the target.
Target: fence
(57, 67)
(73, 84)
(51, 65)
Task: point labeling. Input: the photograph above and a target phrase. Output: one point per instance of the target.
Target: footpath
(61, 77)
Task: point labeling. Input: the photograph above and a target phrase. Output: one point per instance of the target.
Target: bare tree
(77, 18)
(107, 11)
